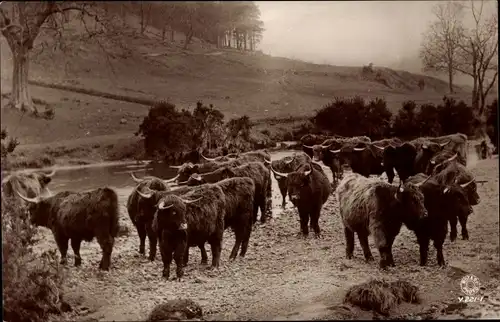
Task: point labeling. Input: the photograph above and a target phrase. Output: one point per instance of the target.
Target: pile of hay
(180, 309)
(381, 296)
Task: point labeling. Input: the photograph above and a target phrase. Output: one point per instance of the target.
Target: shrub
(428, 120)
(405, 123)
(352, 117)
(31, 283)
(8, 146)
(456, 117)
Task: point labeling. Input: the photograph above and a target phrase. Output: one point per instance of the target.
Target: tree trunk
(189, 35)
(21, 97)
(450, 77)
(163, 32)
(172, 34)
(245, 40)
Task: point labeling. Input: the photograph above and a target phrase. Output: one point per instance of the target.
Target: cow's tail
(114, 214)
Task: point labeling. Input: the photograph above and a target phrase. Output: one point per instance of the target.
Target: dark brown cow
(308, 190)
(454, 142)
(286, 165)
(79, 216)
(141, 211)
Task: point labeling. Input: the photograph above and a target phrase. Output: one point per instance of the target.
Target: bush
(456, 117)
(31, 283)
(352, 117)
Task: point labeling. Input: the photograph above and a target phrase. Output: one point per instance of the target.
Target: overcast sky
(346, 32)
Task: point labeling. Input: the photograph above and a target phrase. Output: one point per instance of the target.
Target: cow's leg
(141, 231)
(304, 221)
(263, 211)
(153, 240)
(349, 241)
(62, 245)
(75, 244)
(106, 242)
(384, 245)
(423, 242)
(363, 241)
(178, 257)
(453, 228)
(315, 222)
(167, 259)
(216, 248)
(269, 199)
(204, 256)
(186, 254)
(282, 184)
(255, 211)
(463, 224)
(237, 243)
(246, 239)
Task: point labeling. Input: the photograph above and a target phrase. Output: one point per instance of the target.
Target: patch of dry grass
(382, 296)
(180, 309)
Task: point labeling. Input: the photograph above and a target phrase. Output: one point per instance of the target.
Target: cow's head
(194, 180)
(185, 171)
(411, 201)
(470, 188)
(31, 185)
(38, 210)
(297, 182)
(171, 213)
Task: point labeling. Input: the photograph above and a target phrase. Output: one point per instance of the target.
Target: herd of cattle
(435, 188)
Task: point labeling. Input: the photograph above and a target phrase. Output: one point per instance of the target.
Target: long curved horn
(176, 166)
(359, 149)
(51, 174)
(326, 146)
(161, 205)
(279, 173)
(378, 147)
(208, 159)
(308, 146)
(291, 160)
(187, 202)
(335, 151)
(171, 180)
(444, 144)
(308, 172)
(452, 158)
(147, 195)
(32, 200)
(463, 185)
(182, 183)
(135, 178)
(421, 183)
(230, 155)
(267, 161)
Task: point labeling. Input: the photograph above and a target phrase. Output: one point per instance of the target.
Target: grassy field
(237, 83)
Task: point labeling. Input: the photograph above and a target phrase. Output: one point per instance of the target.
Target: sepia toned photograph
(249, 160)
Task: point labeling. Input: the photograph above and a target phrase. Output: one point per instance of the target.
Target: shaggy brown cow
(31, 185)
(79, 216)
(261, 156)
(441, 159)
(443, 203)
(286, 165)
(141, 211)
(254, 170)
(454, 142)
(371, 206)
(308, 190)
(187, 221)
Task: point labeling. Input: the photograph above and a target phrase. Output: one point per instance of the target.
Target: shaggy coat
(287, 165)
(308, 190)
(313, 139)
(251, 156)
(31, 185)
(371, 206)
(254, 170)
(141, 212)
(440, 160)
(190, 220)
(79, 216)
(187, 169)
(409, 158)
(456, 143)
(443, 203)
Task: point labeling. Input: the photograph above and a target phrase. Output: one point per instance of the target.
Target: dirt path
(287, 277)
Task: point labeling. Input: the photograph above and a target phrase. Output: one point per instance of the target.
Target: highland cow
(251, 156)
(78, 216)
(443, 203)
(441, 159)
(141, 211)
(308, 190)
(254, 170)
(187, 221)
(286, 165)
(410, 157)
(456, 143)
(31, 185)
(371, 206)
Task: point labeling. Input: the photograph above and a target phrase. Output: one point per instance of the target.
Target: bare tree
(20, 25)
(479, 54)
(440, 47)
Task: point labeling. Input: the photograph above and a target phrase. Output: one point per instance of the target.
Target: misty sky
(345, 32)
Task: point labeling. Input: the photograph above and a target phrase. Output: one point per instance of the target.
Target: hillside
(143, 66)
